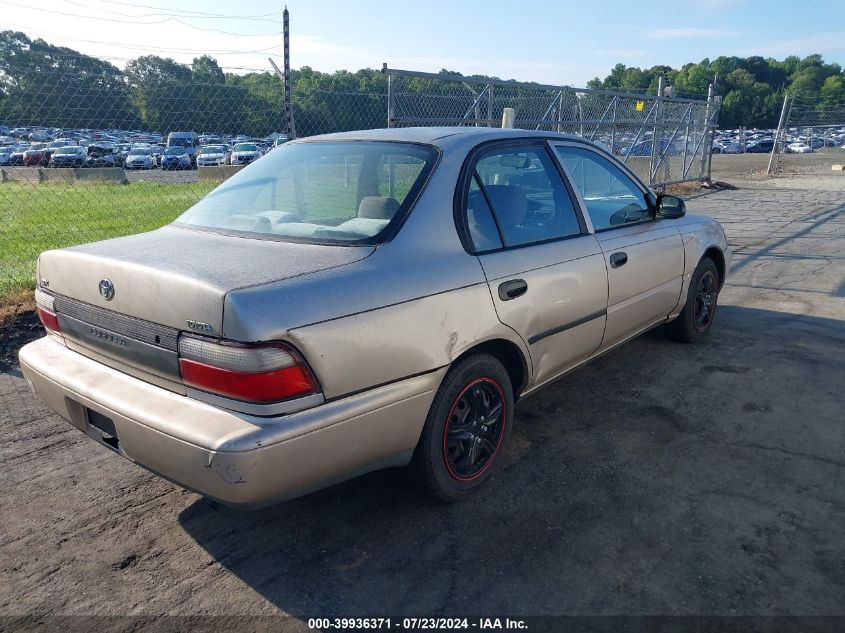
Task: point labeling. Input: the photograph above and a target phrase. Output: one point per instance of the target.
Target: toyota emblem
(106, 289)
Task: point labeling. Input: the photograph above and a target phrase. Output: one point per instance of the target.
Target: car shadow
(660, 478)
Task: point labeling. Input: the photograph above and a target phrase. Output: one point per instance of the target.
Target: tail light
(44, 307)
(252, 372)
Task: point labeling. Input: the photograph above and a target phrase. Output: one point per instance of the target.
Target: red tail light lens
(48, 319)
(44, 308)
(254, 373)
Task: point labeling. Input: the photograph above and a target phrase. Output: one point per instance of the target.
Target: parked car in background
(140, 157)
(212, 155)
(727, 147)
(68, 156)
(101, 155)
(54, 146)
(6, 155)
(762, 146)
(188, 141)
(281, 336)
(16, 155)
(121, 153)
(643, 148)
(175, 158)
(35, 155)
(245, 153)
(799, 147)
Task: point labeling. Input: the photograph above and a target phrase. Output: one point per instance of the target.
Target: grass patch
(35, 217)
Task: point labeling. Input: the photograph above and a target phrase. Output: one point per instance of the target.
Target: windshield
(174, 151)
(245, 147)
(141, 151)
(335, 192)
(68, 151)
(212, 149)
(180, 142)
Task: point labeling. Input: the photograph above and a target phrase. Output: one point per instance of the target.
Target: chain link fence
(809, 124)
(90, 154)
(664, 140)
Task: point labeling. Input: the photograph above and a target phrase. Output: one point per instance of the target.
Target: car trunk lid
(128, 298)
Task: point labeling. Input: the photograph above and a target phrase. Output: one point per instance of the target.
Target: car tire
(466, 430)
(696, 319)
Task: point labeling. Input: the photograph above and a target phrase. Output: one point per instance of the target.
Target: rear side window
(528, 199)
(482, 227)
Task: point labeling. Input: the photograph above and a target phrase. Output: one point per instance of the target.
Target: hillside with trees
(752, 88)
(53, 86)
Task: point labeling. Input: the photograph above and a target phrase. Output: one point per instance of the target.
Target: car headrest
(509, 202)
(378, 208)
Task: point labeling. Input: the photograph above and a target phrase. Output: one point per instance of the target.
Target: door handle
(512, 289)
(618, 259)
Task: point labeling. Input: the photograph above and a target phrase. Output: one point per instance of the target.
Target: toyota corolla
(365, 300)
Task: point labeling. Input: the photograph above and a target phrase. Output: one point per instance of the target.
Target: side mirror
(670, 207)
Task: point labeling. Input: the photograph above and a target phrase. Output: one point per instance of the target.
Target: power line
(162, 21)
(179, 13)
(161, 49)
(195, 13)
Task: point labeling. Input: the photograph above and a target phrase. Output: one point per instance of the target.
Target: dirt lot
(753, 166)
(660, 479)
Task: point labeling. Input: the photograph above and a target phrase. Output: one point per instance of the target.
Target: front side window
(527, 196)
(344, 192)
(611, 197)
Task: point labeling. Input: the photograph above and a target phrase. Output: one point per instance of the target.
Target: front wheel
(695, 320)
(466, 429)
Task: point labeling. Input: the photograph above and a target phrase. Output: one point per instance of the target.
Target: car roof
(440, 136)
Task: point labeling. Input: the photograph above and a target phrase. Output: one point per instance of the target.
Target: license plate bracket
(105, 425)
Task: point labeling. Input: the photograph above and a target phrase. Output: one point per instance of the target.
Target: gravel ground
(660, 479)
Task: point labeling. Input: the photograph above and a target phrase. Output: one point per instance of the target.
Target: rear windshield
(322, 192)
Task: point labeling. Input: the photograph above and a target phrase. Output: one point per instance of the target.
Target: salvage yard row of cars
(795, 140)
(22, 147)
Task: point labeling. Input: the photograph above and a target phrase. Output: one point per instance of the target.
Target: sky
(562, 42)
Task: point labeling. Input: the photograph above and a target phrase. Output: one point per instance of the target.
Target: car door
(644, 255)
(545, 270)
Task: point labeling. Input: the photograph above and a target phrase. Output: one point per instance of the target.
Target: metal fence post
(559, 110)
(778, 134)
(490, 105)
(710, 129)
(391, 97)
(655, 139)
(613, 128)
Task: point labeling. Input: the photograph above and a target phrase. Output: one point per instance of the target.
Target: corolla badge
(106, 289)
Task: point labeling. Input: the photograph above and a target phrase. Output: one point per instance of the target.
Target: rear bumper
(238, 459)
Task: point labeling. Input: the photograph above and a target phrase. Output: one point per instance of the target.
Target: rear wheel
(695, 320)
(466, 429)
